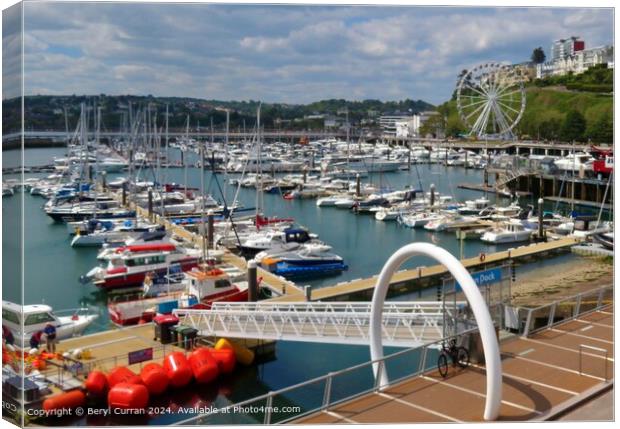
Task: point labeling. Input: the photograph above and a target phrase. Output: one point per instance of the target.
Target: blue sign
(483, 278)
(140, 356)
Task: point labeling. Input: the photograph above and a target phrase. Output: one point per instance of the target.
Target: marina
(262, 214)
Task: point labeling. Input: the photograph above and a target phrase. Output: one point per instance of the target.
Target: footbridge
(404, 324)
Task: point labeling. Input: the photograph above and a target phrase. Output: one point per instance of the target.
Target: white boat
(473, 207)
(447, 221)
(418, 220)
(507, 232)
(36, 317)
(575, 162)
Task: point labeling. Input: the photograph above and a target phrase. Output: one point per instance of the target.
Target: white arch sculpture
(475, 299)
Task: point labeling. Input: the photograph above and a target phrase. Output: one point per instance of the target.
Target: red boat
(202, 289)
(604, 160)
(128, 265)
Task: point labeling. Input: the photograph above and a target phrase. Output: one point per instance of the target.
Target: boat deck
(542, 375)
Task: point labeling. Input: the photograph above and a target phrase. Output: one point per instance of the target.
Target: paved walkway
(539, 373)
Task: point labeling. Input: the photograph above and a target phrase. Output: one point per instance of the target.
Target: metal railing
(404, 323)
(308, 397)
(595, 349)
(549, 315)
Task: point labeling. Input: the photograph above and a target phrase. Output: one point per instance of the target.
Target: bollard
(150, 207)
(104, 185)
(540, 219)
(358, 185)
(210, 228)
(124, 194)
(252, 281)
(308, 293)
(432, 195)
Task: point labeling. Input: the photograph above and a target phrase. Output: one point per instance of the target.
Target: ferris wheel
(491, 99)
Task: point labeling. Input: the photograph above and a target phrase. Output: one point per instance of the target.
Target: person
(50, 337)
(35, 339)
(7, 336)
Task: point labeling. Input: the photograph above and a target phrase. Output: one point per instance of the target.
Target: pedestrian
(50, 336)
(35, 339)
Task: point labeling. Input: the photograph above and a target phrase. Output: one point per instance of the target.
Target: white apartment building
(577, 63)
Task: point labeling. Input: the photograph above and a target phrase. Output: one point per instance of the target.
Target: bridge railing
(549, 315)
(321, 393)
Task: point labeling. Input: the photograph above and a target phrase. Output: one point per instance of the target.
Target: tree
(538, 55)
(602, 130)
(432, 126)
(573, 126)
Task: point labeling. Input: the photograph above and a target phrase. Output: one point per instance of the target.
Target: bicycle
(457, 354)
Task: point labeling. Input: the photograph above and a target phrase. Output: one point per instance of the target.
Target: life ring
(482, 257)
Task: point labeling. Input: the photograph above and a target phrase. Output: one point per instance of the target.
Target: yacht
(418, 220)
(575, 162)
(305, 262)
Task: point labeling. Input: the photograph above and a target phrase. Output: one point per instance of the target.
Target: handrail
(553, 306)
(328, 378)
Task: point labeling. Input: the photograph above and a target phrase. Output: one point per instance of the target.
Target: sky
(290, 54)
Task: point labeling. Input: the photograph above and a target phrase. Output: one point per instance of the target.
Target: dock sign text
(483, 278)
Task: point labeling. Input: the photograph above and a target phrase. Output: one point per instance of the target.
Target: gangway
(405, 324)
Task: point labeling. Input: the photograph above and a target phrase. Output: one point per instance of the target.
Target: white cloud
(282, 53)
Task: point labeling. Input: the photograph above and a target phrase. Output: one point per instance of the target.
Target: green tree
(432, 126)
(601, 130)
(573, 126)
(538, 55)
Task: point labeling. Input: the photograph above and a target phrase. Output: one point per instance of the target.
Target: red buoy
(68, 400)
(97, 383)
(204, 366)
(128, 396)
(122, 374)
(154, 378)
(226, 359)
(178, 369)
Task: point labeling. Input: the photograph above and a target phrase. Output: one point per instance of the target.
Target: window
(36, 318)
(222, 283)
(10, 316)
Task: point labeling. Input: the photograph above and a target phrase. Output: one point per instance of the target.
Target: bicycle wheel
(442, 364)
(462, 357)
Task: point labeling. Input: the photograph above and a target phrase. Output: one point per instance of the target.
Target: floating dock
(403, 280)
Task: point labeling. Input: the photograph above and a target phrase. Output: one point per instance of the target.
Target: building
(399, 125)
(564, 48)
(577, 63)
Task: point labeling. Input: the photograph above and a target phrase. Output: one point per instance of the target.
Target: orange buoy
(204, 366)
(154, 378)
(226, 359)
(122, 374)
(68, 400)
(97, 383)
(128, 396)
(178, 369)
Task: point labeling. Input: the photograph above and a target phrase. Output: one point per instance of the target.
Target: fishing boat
(34, 318)
(507, 232)
(128, 265)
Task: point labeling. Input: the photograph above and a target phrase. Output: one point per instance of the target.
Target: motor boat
(264, 240)
(575, 162)
(200, 287)
(128, 265)
(34, 318)
(418, 220)
(305, 262)
(448, 221)
(107, 232)
(507, 232)
(473, 207)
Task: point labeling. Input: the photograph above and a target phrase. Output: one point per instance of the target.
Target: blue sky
(282, 53)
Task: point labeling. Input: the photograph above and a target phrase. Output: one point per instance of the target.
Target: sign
(483, 278)
(140, 355)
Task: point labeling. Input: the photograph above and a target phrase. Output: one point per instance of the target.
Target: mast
(184, 150)
(202, 201)
(167, 153)
(226, 152)
(259, 177)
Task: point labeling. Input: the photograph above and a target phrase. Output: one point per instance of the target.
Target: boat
(507, 232)
(200, 288)
(305, 262)
(418, 220)
(575, 162)
(448, 221)
(107, 232)
(34, 318)
(128, 265)
(264, 240)
(473, 207)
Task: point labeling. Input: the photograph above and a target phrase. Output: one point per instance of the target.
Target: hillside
(47, 112)
(546, 113)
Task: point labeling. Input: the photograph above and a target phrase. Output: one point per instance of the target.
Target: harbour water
(53, 267)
